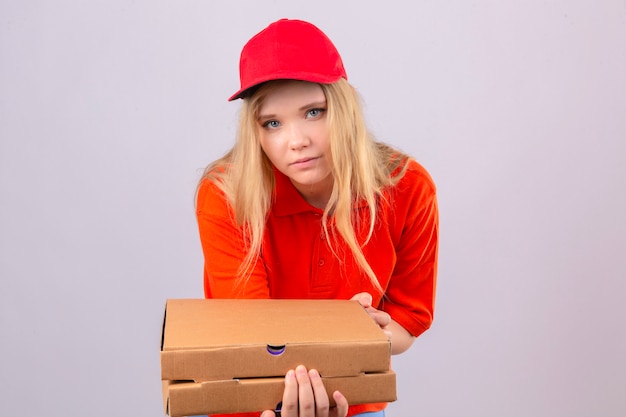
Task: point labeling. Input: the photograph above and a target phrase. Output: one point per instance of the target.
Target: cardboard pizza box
(258, 394)
(225, 339)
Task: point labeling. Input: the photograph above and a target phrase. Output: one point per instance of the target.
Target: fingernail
(314, 374)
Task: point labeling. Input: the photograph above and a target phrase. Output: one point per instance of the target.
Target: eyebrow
(305, 107)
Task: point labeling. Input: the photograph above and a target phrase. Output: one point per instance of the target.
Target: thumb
(364, 298)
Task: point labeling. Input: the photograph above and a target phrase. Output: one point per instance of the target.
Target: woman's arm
(225, 248)
(401, 339)
(413, 224)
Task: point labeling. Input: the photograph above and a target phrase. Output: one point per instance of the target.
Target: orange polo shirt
(297, 262)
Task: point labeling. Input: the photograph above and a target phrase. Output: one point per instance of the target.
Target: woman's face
(294, 135)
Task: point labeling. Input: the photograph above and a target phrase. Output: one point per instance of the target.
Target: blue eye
(271, 124)
(314, 113)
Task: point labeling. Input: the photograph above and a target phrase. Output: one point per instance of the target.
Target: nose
(298, 137)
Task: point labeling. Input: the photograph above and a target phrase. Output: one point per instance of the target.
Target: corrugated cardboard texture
(214, 397)
(208, 340)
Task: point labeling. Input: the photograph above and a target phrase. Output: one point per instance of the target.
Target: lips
(304, 160)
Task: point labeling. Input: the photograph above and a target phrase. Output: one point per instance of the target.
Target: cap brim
(312, 78)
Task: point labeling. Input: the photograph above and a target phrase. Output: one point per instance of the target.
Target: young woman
(308, 205)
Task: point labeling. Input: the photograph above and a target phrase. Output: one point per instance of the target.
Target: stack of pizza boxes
(229, 356)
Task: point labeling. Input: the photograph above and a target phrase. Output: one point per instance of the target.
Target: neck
(317, 194)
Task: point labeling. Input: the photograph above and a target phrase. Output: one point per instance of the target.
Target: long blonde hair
(361, 169)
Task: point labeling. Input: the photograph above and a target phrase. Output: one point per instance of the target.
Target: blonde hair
(360, 166)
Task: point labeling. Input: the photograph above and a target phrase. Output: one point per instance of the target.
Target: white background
(110, 109)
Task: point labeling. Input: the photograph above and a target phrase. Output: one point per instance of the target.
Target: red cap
(292, 50)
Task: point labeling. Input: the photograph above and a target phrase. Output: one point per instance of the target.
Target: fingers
(381, 318)
(364, 298)
(305, 396)
(341, 409)
(319, 392)
(299, 397)
(268, 413)
(290, 396)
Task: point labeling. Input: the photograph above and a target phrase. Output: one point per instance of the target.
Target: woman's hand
(380, 317)
(400, 338)
(305, 396)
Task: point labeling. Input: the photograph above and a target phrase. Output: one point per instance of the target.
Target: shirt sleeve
(410, 296)
(224, 249)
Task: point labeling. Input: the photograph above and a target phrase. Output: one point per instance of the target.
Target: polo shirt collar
(288, 201)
